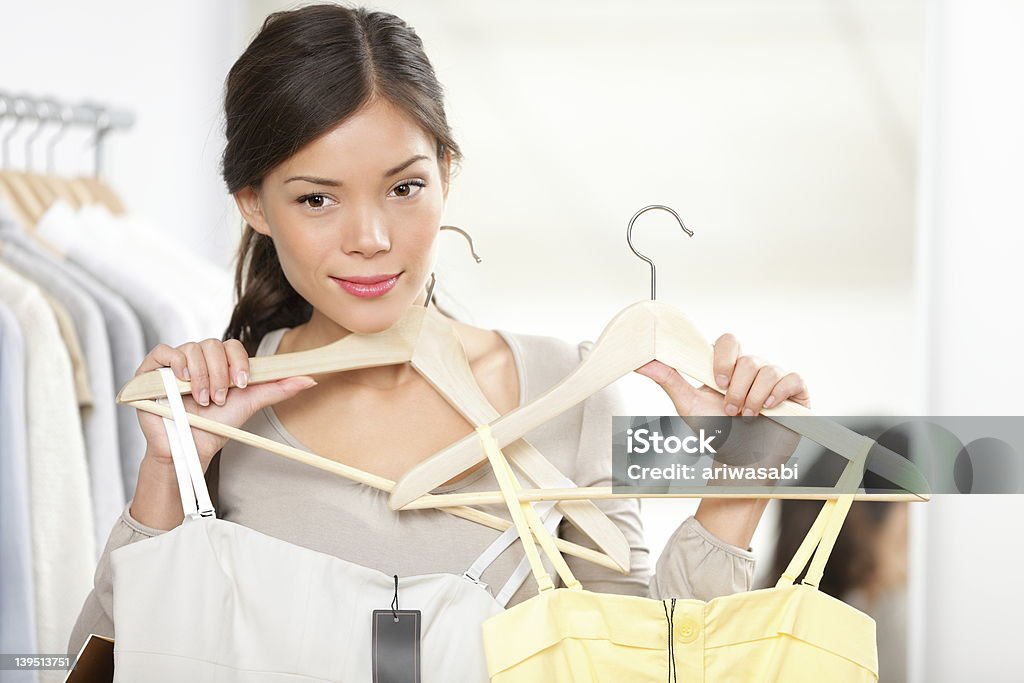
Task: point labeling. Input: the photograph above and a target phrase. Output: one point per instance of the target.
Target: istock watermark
(917, 455)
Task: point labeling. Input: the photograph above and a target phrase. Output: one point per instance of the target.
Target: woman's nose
(366, 237)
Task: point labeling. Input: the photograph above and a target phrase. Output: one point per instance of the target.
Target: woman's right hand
(208, 365)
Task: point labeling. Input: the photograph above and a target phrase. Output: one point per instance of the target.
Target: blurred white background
(849, 169)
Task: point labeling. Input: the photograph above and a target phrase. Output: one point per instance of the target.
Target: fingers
(727, 350)
(269, 393)
(199, 372)
(164, 356)
(675, 385)
(751, 385)
(791, 387)
(217, 367)
(743, 376)
(238, 362)
(212, 366)
(763, 386)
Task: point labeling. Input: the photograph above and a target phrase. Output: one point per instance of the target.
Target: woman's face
(363, 200)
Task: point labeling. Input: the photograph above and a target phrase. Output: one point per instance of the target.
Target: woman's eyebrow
(403, 166)
(334, 183)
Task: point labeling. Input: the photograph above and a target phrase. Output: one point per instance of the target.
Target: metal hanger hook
(433, 277)
(64, 119)
(101, 125)
(38, 111)
(629, 240)
(17, 106)
(5, 108)
(469, 239)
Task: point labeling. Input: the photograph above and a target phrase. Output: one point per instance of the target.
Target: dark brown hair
(305, 72)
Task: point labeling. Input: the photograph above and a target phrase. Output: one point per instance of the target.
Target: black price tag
(396, 646)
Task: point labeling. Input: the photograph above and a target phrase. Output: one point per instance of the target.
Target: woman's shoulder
(269, 342)
(545, 354)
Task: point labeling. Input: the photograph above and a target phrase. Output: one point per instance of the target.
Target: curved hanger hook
(64, 118)
(433, 278)
(18, 112)
(38, 109)
(469, 239)
(629, 239)
(101, 126)
(5, 107)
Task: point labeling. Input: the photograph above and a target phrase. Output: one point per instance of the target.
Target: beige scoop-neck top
(327, 513)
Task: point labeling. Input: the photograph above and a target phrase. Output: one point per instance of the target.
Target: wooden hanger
(640, 333)
(23, 198)
(18, 187)
(355, 474)
(442, 500)
(427, 340)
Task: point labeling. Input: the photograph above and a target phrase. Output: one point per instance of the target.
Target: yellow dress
(790, 633)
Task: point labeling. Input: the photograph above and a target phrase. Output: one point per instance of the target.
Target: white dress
(238, 605)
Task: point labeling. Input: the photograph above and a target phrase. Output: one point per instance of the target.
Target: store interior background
(848, 169)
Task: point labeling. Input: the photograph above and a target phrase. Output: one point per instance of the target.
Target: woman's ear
(248, 201)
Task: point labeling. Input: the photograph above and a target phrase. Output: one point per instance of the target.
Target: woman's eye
(317, 202)
(404, 189)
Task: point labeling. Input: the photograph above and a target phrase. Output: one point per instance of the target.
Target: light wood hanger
(642, 332)
(356, 474)
(8, 196)
(18, 187)
(427, 340)
(442, 500)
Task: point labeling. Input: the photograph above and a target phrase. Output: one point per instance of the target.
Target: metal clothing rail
(47, 109)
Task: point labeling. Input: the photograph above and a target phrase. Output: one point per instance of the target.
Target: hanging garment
(117, 249)
(17, 587)
(127, 346)
(792, 632)
(238, 605)
(115, 258)
(85, 336)
(60, 508)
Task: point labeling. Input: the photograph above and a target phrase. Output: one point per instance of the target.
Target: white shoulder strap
(195, 497)
(551, 515)
(551, 522)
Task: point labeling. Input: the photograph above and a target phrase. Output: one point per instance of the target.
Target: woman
(339, 157)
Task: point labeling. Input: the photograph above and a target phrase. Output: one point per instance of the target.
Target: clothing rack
(47, 109)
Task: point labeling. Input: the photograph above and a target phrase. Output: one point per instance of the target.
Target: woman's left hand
(750, 384)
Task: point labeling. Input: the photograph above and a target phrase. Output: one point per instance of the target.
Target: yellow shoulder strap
(525, 518)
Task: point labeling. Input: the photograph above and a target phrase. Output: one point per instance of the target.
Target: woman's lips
(368, 286)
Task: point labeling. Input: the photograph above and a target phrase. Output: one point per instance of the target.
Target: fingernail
(747, 412)
(723, 381)
(304, 382)
(185, 375)
(220, 396)
(242, 380)
(204, 397)
(731, 409)
(769, 401)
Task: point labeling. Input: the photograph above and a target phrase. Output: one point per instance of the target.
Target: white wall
(165, 62)
(967, 600)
